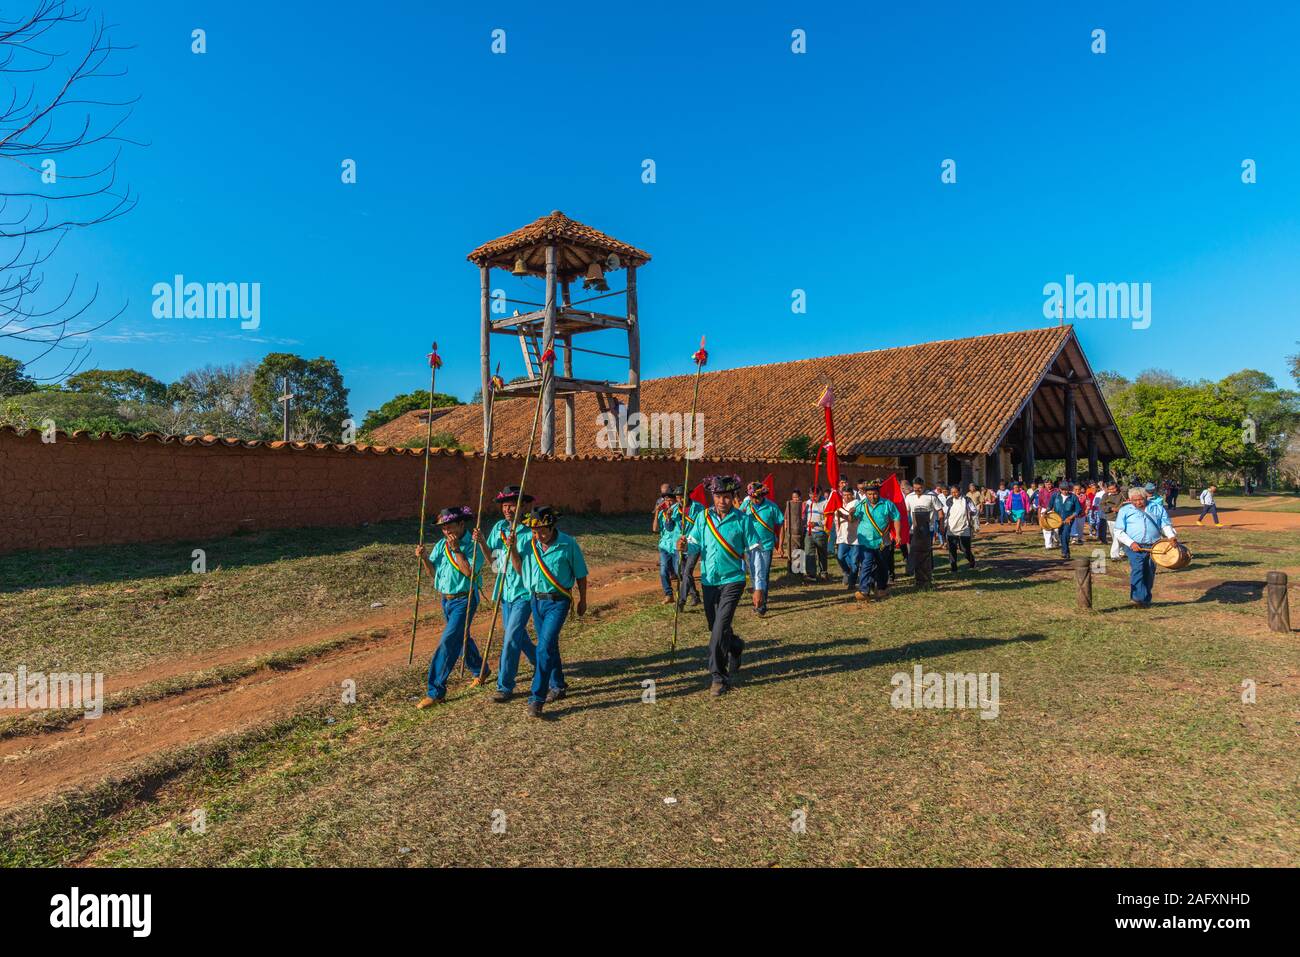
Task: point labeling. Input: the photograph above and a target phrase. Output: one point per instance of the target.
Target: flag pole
(548, 369)
(490, 399)
(700, 358)
(434, 362)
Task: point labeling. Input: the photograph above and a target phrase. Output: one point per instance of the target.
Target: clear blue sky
(775, 172)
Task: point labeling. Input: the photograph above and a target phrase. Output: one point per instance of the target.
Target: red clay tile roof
(887, 402)
(579, 245)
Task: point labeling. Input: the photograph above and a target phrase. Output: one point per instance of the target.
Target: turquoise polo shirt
(720, 566)
(884, 512)
(563, 559)
(684, 526)
(510, 583)
(449, 579)
(668, 530)
(771, 515)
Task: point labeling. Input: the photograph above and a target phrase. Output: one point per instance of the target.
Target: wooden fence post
(1279, 609)
(1083, 583)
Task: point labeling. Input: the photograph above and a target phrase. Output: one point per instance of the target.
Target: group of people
(537, 566)
(733, 540)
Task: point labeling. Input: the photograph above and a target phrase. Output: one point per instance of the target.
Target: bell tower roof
(579, 245)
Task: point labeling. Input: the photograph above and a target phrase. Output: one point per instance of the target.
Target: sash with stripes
(546, 572)
(871, 518)
(687, 521)
(759, 518)
(726, 546)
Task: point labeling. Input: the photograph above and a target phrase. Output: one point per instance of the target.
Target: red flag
(697, 495)
(770, 485)
(435, 360)
(894, 492)
(832, 461)
(701, 356)
(548, 357)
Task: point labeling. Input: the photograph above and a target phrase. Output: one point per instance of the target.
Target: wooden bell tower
(562, 250)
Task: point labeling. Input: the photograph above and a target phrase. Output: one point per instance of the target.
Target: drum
(1171, 555)
(1049, 519)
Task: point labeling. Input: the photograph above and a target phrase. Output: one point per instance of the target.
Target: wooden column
(1027, 423)
(967, 472)
(633, 353)
(993, 469)
(1105, 470)
(1092, 456)
(485, 349)
(570, 425)
(1071, 440)
(1279, 608)
(1082, 582)
(548, 342)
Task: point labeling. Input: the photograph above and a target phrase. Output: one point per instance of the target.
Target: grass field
(1137, 714)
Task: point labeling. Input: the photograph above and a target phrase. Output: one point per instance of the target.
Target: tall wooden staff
(548, 369)
(490, 399)
(435, 361)
(700, 358)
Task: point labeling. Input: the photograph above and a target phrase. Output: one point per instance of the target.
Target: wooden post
(1279, 608)
(1105, 470)
(921, 554)
(633, 353)
(548, 342)
(570, 422)
(1028, 450)
(1083, 583)
(993, 469)
(485, 350)
(1071, 440)
(1092, 456)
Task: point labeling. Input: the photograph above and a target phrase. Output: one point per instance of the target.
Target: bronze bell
(520, 269)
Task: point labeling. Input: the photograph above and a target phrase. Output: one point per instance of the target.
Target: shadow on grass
(766, 661)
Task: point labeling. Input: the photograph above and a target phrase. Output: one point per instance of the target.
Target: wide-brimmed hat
(719, 484)
(541, 517)
(756, 488)
(871, 487)
(511, 494)
(456, 513)
(679, 489)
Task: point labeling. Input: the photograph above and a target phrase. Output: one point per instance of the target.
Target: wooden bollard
(921, 553)
(1083, 583)
(1279, 610)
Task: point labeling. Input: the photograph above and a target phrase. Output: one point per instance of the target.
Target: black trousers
(962, 542)
(686, 574)
(719, 607)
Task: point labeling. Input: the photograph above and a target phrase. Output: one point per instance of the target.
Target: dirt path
(40, 765)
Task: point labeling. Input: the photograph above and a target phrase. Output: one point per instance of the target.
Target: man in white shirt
(963, 522)
(815, 537)
(846, 536)
(1208, 507)
(917, 502)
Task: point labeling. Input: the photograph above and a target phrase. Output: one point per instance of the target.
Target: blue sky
(775, 172)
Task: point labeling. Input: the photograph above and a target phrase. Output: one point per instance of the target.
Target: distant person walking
(963, 522)
(1208, 506)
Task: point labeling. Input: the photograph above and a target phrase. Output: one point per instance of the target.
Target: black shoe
(554, 695)
(719, 688)
(762, 609)
(733, 660)
(695, 600)
(501, 697)
(534, 709)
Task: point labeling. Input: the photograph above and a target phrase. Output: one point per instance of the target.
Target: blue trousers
(1141, 576)
(873, 569)
(1209, 510)
(548, 673)
(454, 611)
(667, 569)
(514, 641)
(847, 556)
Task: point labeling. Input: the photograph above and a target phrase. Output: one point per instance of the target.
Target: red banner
(894, 492)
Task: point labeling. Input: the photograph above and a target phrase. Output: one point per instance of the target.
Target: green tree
(124, 385)
(320, 402)
(13, 379)
(401, 404)
(796, 447)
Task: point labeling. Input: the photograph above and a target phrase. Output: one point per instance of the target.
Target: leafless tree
(61, 139)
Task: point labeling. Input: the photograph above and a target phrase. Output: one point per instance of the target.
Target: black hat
(542, 515)
(679, 490)
(456, 513)
(511, 494)
(871, 487)
(756, 488)
(724, 483)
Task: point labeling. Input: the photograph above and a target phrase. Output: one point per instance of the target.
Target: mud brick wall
(80, 490)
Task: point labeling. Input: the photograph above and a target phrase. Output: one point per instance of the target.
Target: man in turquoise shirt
(454, 565)
(764, 528)
(666, 525)
(1139, 525)
(551, 564)
(721, 537)
(509, 590)
(685, 514)
(874, 516)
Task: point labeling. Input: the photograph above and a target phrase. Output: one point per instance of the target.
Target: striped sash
(726, 546)
(546, 572)
(759, 518)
